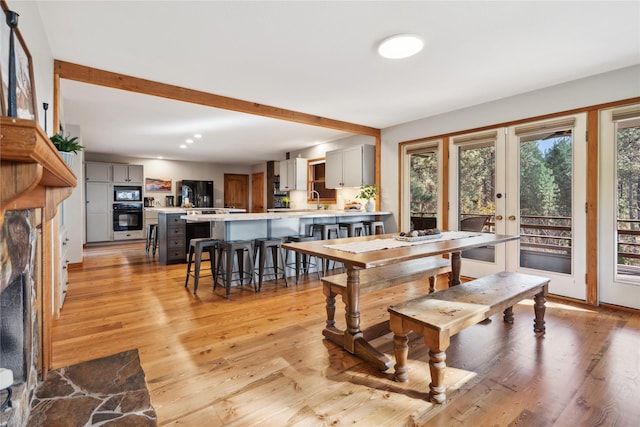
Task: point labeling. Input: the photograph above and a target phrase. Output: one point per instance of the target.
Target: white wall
(608, 87)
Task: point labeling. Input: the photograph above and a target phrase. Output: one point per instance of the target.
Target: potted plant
(286, 201)
(66, 145)
(368, 192)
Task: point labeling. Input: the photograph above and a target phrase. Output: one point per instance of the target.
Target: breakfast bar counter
(249, 226)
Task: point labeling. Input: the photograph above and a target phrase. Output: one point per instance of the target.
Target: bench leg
(539, 309)
(401, 351)
(508, 315)
(331, 307)
(436, 367)
(432, 284)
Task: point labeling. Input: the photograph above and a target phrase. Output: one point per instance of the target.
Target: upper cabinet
(97, 172)
(293, 174)
(128, 174)
(351, 167)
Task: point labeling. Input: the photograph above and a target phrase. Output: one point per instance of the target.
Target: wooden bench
(380, 278)
(439, 316)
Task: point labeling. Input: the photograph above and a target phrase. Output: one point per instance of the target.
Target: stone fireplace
(35, 181)
(19, 332)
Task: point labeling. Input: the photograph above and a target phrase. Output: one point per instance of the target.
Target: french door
(421, 186)
(529, 180)
(619, 207)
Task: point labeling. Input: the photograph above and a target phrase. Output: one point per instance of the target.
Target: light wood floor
(260, 359)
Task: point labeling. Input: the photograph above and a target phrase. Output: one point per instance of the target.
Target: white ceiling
(318, 58)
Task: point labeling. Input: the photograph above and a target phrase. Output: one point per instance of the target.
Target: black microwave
(127, 194)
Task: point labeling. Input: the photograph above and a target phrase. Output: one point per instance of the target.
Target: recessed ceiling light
(183, 146)
(400, 46)
(160, 157)
(197, 135)
(189, 141)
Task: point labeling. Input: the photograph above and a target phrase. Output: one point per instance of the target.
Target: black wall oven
(127, 216)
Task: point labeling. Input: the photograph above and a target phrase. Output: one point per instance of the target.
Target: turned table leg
(539, 309)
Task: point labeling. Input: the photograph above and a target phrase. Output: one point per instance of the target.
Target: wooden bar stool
(152, 238)
(374, 227)
(225, 271)
(260, 247)
(198, 246)
(303, 262)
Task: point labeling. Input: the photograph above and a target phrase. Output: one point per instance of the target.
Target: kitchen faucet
(318, 199)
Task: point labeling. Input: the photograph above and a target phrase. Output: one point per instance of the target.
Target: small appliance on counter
(168, 201)
(149, 202)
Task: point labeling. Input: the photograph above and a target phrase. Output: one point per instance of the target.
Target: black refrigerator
(199, 193)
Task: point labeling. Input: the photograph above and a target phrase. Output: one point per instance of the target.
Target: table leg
(454, 278)
(354, 341)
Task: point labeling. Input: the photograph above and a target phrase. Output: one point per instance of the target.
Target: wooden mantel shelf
(33, 175)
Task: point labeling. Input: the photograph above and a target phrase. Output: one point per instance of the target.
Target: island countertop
(198, 217)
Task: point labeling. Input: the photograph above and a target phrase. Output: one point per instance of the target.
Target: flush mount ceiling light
(400, 46)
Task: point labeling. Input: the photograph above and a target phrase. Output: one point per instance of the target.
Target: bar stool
(325, 232)
(198, 246)
(303, 261)
(372, 227)
(152, 236)
(260, 247)
(224, 269)
(353, 229)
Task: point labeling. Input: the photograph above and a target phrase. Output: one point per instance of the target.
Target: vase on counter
(370, 206)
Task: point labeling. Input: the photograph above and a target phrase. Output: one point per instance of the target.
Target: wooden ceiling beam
(82, 73)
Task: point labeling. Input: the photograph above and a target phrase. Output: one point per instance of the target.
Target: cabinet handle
(499, 217)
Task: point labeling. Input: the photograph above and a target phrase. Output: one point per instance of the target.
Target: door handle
(512, 217)
(499, 217)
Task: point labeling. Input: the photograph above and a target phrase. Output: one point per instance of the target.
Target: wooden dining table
(370, 252)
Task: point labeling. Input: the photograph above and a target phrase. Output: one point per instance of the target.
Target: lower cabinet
(171, 238)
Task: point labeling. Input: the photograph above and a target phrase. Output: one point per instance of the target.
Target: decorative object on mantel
(20, 99)
(67, 146)
(368, 192)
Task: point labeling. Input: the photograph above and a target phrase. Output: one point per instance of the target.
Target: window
(317, 182)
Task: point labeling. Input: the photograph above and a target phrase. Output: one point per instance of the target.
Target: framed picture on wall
(25, 88)
(157, 184)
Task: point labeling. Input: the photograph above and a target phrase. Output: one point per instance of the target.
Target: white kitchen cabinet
(98, 209)
(293, 174)
(351, 167)
(97, 172)
(128, 174)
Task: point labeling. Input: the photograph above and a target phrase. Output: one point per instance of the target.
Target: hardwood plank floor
(260, 358)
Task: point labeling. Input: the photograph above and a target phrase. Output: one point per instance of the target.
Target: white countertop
(174, 210)
(197, 217)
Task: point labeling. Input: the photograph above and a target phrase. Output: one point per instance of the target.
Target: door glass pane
(423, 177)
(477, 183)
(546, 201)
(628, 185)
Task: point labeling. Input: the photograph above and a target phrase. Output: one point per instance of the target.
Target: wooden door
(257, 192)
(236, 191)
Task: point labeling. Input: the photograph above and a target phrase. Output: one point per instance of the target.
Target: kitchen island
(281, 224)
(174, 233)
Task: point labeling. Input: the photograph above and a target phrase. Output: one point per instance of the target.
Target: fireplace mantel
(33, 173)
